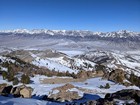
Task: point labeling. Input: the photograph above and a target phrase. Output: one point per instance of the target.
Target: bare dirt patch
(58, 80)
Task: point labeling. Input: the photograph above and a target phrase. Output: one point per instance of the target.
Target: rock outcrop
(84, 74)
(127, 94)
(67, 92)
(19, 91)
(2, 86)
(117, 75)
(25, 91)
(5, 89)
(122, 97)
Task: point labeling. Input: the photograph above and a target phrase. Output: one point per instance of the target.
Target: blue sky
(94, 15)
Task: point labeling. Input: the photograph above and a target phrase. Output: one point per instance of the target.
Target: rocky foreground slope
(70, 95)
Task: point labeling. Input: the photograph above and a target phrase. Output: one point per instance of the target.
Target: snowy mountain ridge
(87, 61)
(82, 33)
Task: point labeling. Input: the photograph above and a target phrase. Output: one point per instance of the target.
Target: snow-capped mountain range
(81, 33)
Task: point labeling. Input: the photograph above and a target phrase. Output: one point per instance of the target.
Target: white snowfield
(4, 59)
(76, 62)
(52, 65)
(63, 63)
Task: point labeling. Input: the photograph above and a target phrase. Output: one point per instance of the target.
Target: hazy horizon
(64, 29)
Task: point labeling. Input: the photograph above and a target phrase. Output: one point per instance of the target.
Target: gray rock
(23, 91)
(63, 93)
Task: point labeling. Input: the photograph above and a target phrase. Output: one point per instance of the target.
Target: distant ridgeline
(120, 36)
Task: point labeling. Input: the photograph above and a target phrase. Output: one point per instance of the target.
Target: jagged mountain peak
(118, 34)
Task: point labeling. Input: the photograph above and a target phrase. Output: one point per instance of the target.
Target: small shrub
(86, 83)
(85, 64)
(15, 81)
(10, 77)
(99, 67)
(10, 74)
(49, 74)
(134, 79)
(60, 74)
(119, 79)
(25, 79)
(4, 75)
(89, 66)
(73, 75)
(67, 73)
(101, 86)
(107, 86)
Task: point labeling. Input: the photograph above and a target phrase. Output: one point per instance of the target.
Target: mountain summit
(82, 33)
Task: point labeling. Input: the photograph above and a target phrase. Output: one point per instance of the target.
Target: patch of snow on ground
(39, 88)
(7, 59)
(94, 84)
(4, 81)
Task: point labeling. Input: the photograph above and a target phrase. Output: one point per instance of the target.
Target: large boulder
(122, 97)
(100, 101)
(15, 91)
(127, 94)
(92, 102)
(84, 74)
(67, 92)
(7, 90)
(65, 87)
(23, 91)
(65, 96)
(2, 86)
(99, 73)
(117, 75)
(104, 102)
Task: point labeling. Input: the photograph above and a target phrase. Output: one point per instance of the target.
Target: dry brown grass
(58, 80)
